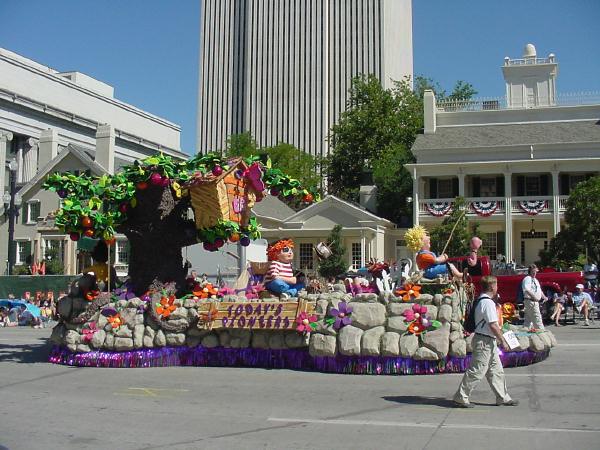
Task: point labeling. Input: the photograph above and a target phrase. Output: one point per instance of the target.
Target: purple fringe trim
(296, 359)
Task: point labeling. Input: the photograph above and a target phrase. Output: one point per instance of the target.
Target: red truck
(510, 280)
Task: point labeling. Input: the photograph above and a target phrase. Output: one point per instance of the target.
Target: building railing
(562, 203)
(529, 61)
(497, 103)
(491, 206)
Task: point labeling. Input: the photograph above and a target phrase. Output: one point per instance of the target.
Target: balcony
(483, 207)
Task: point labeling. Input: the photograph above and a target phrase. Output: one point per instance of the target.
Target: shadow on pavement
(28, 353)
(420, 400)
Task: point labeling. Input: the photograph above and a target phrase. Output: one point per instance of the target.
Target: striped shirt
(277, 270)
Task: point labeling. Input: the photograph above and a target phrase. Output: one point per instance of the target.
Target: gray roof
(509, 134)
(271, 206)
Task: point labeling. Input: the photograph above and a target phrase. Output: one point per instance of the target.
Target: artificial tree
(148, 202)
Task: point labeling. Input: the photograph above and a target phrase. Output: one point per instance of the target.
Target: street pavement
(46, 406)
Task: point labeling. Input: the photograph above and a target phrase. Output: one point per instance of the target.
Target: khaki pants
(532, 316)
(484, 361)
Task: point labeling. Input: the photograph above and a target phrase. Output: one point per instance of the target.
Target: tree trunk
(157, 230)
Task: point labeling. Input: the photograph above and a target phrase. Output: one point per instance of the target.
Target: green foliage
(459, 244)
(97, 206)
(582, 234)
(53, 264)
(294, 162)
(336, 264)
(375, 134)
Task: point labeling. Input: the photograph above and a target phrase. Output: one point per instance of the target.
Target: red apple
(142, 185)
(74, 236)
(217, 170)
(123, 207)
(86, 222)
(89, 232)
(156, 178)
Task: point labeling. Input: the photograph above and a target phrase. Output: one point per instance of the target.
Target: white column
(555, 202)
(30, 157)
(105, 147)
(416, 183)
(461, 185)
(47, 147)
(363, 249)
(20, 150)
(508, 225)
(5, 138)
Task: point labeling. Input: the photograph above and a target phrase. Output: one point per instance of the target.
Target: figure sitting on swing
(432, 265)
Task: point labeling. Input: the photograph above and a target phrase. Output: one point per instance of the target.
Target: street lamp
(12, 202)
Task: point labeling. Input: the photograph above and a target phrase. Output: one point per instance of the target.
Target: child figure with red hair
(280, 278)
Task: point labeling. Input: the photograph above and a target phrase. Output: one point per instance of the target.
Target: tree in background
(54, 266)
(336, 264)
(459, 244)
(291, 160)
(582, 215)
(375, 134)
(461, 91)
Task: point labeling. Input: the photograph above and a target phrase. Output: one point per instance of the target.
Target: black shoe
(509, 403)
(462, 405)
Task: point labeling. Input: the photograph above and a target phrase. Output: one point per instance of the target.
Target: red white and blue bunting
(438, 209)
(485, 209)
(533, 207)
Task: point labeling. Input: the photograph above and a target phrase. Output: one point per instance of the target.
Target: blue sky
(148, 49)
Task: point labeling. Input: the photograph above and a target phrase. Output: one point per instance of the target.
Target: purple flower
(342, 315)
(125, 291)
(109, 311)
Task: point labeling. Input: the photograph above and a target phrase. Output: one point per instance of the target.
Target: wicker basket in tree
(225, 197)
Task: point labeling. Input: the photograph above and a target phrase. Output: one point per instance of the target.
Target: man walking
(485, 359)
(532, 294)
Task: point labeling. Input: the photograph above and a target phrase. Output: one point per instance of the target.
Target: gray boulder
(409, 343)
(437, 299)
(260, 339)
(58, 334)
(295, 340)
(82, 348)
(138, 336)
(175, 339)
(367, 315)
(425, 299)
(72, 337)
(349, 340)
(455, 335)
(123, 344)
(390, 344)
(424, 353)
(523, 342)
(371, 341)
(535, 343)
(438, 340)
(224, 338)
(159, 339)
(396, 324)
(545, 337)
(276, 341)
(149, 335)
(459, 348)
(396, 309)
(98, 339)
(123, 331)
(210, 341)
(322, 345)
(366, 298)
(109, 341)
(445, 313)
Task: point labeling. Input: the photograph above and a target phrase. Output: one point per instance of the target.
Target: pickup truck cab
(509, 280)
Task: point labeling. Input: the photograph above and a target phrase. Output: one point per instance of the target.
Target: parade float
(158, 318)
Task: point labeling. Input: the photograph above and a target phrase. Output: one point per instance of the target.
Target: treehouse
(228, 196)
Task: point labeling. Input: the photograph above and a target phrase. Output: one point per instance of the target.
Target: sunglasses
(286, 250)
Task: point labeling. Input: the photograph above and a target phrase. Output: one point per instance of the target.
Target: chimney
(368, 198)
(429, 111)
(105, 147)
(47, 147)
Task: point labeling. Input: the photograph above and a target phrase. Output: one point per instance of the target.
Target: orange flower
(416, 328)
(208, 290)
(448, 291)
(409, 292)
(166, 306)
(508, 310)
(115, 321)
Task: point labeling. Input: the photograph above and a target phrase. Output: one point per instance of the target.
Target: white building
(515, 160)
(56, 121)
(282, 69)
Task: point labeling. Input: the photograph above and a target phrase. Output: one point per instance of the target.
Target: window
(33, 211)
(445, 188)
(23, 250)
(490, 245)
(54, 246)
(306, 256)
(536, 235)
(122, 256)
(356, 255)
(487, 187)
(532, 186)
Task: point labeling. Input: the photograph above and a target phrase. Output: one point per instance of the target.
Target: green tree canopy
(291, 160)
(375, 134)
(582, 234)
(459, 244)
(336, 264)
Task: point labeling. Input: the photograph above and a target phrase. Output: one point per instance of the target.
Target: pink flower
(88, 333)
(414, 313)
(305, 323)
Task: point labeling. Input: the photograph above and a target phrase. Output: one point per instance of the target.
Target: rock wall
(377, 329)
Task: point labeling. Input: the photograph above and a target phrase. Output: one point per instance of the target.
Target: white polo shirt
(485, 313)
